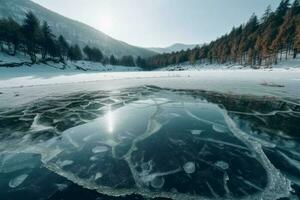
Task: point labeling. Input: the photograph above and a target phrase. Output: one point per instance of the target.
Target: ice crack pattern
(150, 142)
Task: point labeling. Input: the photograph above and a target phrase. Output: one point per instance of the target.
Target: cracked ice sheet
(146, 146)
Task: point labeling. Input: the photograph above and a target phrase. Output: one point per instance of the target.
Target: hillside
(262, 41)
(74, 31)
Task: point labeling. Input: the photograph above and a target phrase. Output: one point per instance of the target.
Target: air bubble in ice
(189, 167)
(196, 132)
(61, 187)
(221, 164)
(100, 149)
(98, 175)
(17, 181)
(158, 182)
(93, 158)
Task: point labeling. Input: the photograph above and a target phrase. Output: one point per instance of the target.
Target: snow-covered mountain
(74, 31)
(174, 48)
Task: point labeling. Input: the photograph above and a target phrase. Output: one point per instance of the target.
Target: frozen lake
(211, 134)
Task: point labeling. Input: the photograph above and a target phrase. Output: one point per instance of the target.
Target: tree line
(38, 41)
(275, 36)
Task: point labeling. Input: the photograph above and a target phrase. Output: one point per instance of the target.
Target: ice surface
(177, 144)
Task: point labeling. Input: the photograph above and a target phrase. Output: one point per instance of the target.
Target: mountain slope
(74, 31)
(174, 48)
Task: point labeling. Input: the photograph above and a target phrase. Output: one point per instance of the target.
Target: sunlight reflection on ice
(110, 120)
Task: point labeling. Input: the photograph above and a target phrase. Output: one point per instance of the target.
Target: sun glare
(110, 121)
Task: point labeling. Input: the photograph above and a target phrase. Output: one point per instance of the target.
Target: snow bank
(51, 68)
(284, 64)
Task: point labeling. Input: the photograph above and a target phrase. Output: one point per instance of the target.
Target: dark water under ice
(149, 142)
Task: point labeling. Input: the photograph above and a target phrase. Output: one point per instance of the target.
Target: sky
(160, 23)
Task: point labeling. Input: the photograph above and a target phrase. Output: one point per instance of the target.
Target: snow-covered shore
(277, 82)
(52, 68)
(284, 64)
(23, 84)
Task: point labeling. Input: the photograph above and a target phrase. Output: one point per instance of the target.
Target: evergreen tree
(63, 46)
(282, 8)
(127, 61)
(266, 14)
(93, 54)
(88, 52)
(140, 62)
(32, 33)
(54, 49)
(75, 53)
(297, 38)
(113, 60)
(97, 55)
(47, 41)
(10, 32)
(295, 7)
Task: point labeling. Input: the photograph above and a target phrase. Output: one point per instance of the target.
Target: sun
(106, 23)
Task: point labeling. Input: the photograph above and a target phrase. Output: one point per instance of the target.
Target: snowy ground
(284, 64)
(278, 82)
(20, 85)
(51, 68)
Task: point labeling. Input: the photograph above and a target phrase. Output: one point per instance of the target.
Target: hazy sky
(159, 23)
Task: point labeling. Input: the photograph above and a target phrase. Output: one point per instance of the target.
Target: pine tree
(97, 55)
(63, 46)
(75, 53)
(47, 41)
(282, 8)
(10, 32)
(295, 7)
(266, 14)
(88, 52)
(127, 61)
(140, 62)
(297, 38)
(113, 60)
(93, 54)
(32, 33)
